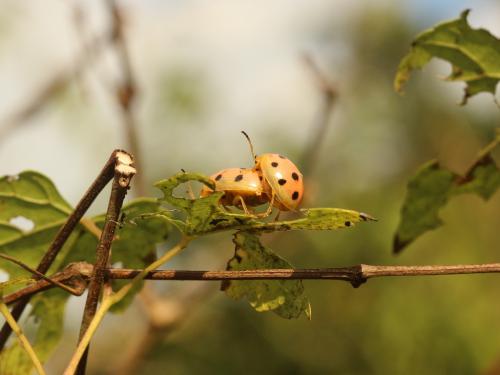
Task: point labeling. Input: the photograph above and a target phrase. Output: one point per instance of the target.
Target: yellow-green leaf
(284, 297)
(316, 219)
(473, 53)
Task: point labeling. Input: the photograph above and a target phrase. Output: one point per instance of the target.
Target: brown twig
(356, 275)
(39, 274)
(320, 126)
(123, 173)
(64, 232)
(75, 274)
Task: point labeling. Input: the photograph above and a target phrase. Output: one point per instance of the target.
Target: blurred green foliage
(425, 325)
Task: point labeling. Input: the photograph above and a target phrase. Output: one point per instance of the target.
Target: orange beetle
(281, 180)
(242, 188)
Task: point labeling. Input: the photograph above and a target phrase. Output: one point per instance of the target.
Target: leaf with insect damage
(137, 237)
(203, 215)
(31, 213)
(283, 297)
(473, 53)
(431, 188)
(316, 219)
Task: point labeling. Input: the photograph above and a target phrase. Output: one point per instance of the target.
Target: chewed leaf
(31, 213)
(203, 215)
(284, 297)
(431, 188)
(473, 53)
(317, 219)
(136, 239)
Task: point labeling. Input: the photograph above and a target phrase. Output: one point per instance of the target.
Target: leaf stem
(112, 299)
(22, 338)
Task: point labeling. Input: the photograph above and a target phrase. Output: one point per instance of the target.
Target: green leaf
(203, 215)
(315, 219)
(431, 188)
(473, 53)
(31, 213)
(284, 297)
(136, 242)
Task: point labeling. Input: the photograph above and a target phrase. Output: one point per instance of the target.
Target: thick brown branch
(62, 235)
(356, 275)
(123, 173)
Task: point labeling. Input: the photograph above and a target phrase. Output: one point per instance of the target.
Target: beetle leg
(278, 215)
(269, 208)
(243, 204)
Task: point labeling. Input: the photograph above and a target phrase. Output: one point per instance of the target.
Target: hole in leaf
(184, 190)
(22, 223)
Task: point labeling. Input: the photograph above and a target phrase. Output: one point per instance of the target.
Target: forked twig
(64, 232)
(124, 171)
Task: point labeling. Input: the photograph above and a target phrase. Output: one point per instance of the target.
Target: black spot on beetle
(219, 176)
(282, 181)
(260, 178)
(347, 223)
(238, 178)
(274, 164)
(295, 176)
(295, 195)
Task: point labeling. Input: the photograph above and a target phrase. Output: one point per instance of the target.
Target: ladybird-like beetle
(281, 179)
(242, 188)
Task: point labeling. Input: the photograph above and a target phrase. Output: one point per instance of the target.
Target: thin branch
(39, 274)
(126, 93)
(320, 126)
(75, 274)
(25, 344)
(64, 232)
(124, 171)
(112, 299)
(356, 275)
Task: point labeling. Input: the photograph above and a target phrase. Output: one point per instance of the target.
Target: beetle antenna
(250, 143)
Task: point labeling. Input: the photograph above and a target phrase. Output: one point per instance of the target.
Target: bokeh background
(205, 70)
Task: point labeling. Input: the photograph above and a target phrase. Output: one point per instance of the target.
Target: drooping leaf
(284, 297)
(473, 53)
(431, 188)
(203, 215)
